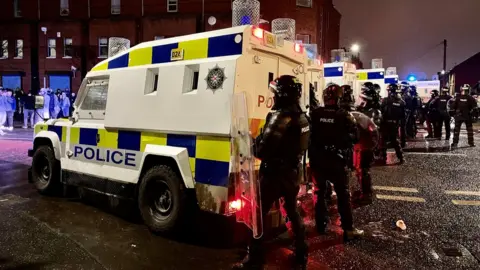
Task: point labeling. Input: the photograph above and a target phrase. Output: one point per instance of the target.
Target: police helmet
(377, 88)
(445, 90)
(347, 100)
(286, 87)
(393, 89)
(434, 93)
(413, 91)
(332, 94)
(368, 94)
(368, 85)
(465, 89)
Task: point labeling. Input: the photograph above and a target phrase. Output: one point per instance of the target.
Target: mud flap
(247, 186)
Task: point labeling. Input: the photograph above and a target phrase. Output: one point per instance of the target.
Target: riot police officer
(405, 95)
(364, 149)
(412, 104)
(441, 104)
(281, 146)
(377, 89)
(334, 133)
(393, 111)
(347, 100)
(432, 113)
(463, 105)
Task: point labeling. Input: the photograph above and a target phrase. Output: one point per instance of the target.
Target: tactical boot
(321, 225)
(454, 145)
(366, 199)
(472, 144)
(352, 234)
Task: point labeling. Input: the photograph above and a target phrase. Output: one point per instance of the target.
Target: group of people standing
(339, 138)
(19, 105)
(442, 107)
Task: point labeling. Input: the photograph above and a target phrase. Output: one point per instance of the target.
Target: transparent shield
(247, 187)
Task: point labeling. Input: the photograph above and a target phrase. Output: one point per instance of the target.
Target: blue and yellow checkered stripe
(391, 80)
(333, 72)
(374, 75)
(193, 49)
(59, 130)
(209, 156)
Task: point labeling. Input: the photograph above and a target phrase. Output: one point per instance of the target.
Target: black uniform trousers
(403, 131)
(458, 124)
(443, 119)
(411, 125)
(277, 181)
(363, 159)
(389, 131)
(331, 168)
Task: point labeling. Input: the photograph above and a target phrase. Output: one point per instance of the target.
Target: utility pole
(445, 55)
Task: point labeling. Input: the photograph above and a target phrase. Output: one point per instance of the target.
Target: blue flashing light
(245, 20)
(412, 78)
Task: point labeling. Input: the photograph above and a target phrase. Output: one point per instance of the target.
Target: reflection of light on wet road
(462, 192)
(461, 202)
(400, 189)
(400, 198)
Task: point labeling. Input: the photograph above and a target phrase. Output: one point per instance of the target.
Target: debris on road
(401, 225)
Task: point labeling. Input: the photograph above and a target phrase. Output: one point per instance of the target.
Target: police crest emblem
(215, 78)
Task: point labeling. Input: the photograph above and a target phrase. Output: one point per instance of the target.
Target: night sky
(405, 32)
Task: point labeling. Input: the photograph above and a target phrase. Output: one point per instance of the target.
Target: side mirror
(39, 102)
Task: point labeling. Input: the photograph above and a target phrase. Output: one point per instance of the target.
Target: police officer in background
(432, 113)
(393, 111)
(281, 146)
(441, 104)
(364, 150)
(405, 96)
(463, 105)
(377, 89)
(334, 133)
(347, 100)
(412, 104)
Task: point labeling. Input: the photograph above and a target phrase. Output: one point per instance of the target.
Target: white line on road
(401, 189)
(461, 202)
(435, 154)
(400, 198)
(462, 192)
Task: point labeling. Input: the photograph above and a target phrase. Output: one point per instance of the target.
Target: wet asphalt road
(431, 193)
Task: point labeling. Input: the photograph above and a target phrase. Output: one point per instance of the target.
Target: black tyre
(46, 171)
(162, 199)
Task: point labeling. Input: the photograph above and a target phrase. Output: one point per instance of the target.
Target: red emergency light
(258, 32)
(298, 48)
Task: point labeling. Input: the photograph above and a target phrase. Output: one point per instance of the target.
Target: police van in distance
(169, 118)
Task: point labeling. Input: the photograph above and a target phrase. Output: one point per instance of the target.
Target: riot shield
(247, 186)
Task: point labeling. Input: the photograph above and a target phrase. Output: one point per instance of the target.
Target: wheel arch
(175, 157)
(50, 139)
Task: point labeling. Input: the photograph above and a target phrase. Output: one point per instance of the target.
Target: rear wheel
(46, 171)
(162, 199)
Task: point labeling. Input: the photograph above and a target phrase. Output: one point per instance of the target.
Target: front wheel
(162, 199)
(45, 171)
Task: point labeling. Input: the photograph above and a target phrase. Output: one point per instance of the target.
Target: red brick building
(55, 42)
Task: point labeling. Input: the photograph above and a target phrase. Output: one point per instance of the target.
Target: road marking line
(435, 154)
(400, 198)
(400, 189)
(461, 192)
(461, 202)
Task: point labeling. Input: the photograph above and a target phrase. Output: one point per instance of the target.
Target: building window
(172, 5)
(67, 47)
(4, 49)
(305, 39)
(103, 47)
(159, 37)
(52, 50)
(16, 9)
(19, 49)
(64, 7)
(304, 3)
(115, 6)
